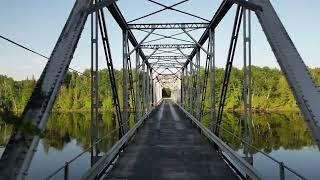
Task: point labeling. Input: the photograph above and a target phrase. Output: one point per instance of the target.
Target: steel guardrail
(247, 168)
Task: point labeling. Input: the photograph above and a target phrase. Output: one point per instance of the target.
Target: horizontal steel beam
(167, 67)
(167, 57)
(161, 74)
(167, 46)
(167, 64)
(169, 26)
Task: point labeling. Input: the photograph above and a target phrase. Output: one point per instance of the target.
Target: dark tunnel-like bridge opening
(166, 92)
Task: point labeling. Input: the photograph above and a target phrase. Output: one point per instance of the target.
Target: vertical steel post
(197, 83)
(137, 113)
(247, 83)
(147, 89)
(250, 74)
(97, 103)
(212, 77)
(94, 85)
(143, 87)
(247, 68)
(185, 97)
(66, 171)
(281, 171)
(191, 88)
(245, 90)
(182, 88)
(125, 82)
(152, 89)
(92, 88)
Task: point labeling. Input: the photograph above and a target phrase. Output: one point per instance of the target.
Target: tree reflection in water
(271, 130)
(64, 127)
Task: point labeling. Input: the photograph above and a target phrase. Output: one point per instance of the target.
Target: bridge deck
(169, 147)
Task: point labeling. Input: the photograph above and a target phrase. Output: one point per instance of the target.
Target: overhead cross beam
(169, 51)
(167, 65)
(183, 12)
(166, 57)
(169, 26)
(153, 13)
(169, 37)
(167, 46)
(161, 52)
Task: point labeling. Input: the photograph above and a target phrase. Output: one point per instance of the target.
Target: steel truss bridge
(153, 151)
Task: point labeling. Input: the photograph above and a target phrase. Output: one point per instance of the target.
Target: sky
(38, 23)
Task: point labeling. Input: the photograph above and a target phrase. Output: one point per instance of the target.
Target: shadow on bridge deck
(168, 146)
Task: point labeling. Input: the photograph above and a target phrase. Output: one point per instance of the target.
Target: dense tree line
(270, 90)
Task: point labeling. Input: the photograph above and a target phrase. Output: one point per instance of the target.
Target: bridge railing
(236, 160)
(66, 167)
(109, 156)
(281, 166)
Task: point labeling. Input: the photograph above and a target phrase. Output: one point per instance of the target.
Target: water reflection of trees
(5, 132)
(271, 130)
(64, 127)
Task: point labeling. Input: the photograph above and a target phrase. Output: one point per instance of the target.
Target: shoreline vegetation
(226, 110)
(271, 92)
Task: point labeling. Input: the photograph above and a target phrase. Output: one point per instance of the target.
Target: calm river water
(283, 136)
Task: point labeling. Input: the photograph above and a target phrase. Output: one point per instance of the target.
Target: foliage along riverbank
(270, 91)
